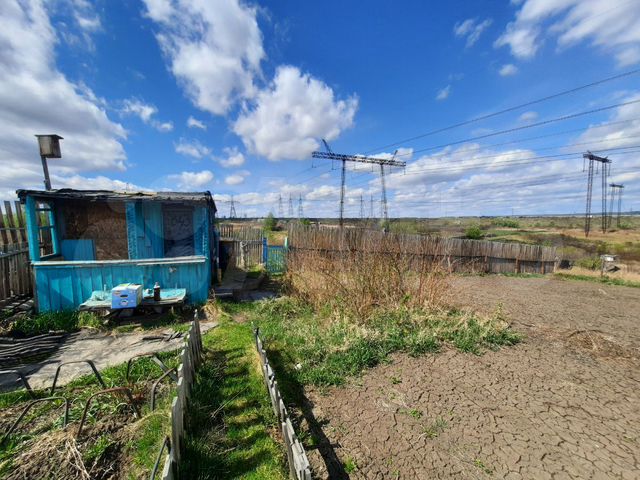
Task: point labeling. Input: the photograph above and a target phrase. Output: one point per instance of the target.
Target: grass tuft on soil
(231, 427)
(322, 349)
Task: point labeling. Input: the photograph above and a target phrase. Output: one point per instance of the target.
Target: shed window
(178, 231)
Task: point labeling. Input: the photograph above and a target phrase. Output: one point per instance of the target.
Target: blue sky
(233, 96)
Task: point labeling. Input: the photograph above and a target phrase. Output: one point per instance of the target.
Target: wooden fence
(15, 273)
(455, 254)
(299, 468)
(245, 243)
(191, 357)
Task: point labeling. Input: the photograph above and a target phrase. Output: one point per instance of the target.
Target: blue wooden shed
(104, 238)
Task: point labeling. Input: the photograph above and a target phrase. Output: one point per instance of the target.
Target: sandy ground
(105, 349)
(564, 404)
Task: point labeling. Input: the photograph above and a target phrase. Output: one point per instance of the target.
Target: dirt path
(565, 404)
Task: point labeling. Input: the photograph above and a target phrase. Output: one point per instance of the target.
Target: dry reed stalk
(359, 272)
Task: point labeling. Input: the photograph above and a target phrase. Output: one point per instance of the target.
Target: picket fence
(191, 356)
(299, 468)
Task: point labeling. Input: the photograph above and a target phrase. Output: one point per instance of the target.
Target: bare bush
(358, 272)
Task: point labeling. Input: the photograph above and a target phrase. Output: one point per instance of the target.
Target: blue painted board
(83, 249)
(65, 285)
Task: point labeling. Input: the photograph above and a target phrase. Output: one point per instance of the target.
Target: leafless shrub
(358, 272)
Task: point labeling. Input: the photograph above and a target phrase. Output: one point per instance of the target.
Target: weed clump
(327, 348)
(364, 273)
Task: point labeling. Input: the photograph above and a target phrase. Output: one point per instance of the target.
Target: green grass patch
(231, 426)
(318, 349)
(604, 280)
(138, 449)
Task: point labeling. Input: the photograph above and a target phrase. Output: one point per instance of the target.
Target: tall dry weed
(358, 272)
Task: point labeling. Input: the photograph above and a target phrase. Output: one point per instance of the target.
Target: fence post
(176, 431)
(265, 250)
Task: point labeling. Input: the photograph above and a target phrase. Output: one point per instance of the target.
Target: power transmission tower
(361, 207)
(385, 211)
(371, 206)
(300, 211)
(605, 173)
(360, 159)
(616, 187)
(290, 211)
(232, 210)
(280, 207)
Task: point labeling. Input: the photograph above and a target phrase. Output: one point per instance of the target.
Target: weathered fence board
(190, 359)
(299, 468)
(15, 270)
(245, 244)
(456, 254)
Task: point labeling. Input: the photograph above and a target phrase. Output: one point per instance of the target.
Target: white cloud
(191, 180)
(289, 116)
(508, 70)
(95, 183)
(83, 24)
(527, 117)
(192, 148)
(619, 135)
(195, 123)
(444, 93)
(140, 109)
(214, 48)
(163, 126)
(471, 29)
(85, 16)
(146, 112)
(237, 178)
(234, 158)
(610, 27)
(35, 97)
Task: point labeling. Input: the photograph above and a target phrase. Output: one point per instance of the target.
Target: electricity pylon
(360, 159)
(290, 211)
(615, 187)
(300, 211)
(591, 158)
(232, 210)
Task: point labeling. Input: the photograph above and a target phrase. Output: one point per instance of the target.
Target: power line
(491, 145)
(506, 163)
(507, 110)
(524, 127)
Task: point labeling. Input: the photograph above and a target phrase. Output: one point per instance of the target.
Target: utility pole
(360, 159)
(290, 212)
(300, 211)
(232, 210)
(591, 158)
(280, 207)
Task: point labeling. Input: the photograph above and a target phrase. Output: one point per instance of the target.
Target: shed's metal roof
(97, 195)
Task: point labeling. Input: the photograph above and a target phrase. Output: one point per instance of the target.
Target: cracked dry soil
(563, 404)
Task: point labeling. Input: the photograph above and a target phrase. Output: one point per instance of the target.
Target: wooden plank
(10, 221)
(22, 225)
(3, 230)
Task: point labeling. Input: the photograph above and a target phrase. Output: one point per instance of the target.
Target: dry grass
(360, 279)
